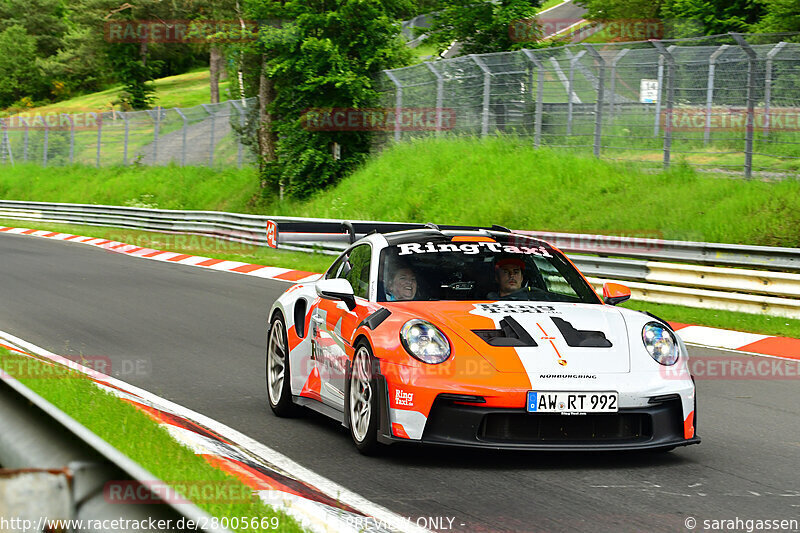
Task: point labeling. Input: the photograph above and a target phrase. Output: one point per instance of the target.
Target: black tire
(363, 407)
(279, 391)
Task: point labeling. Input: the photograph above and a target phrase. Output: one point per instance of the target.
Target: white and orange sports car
(472, 337)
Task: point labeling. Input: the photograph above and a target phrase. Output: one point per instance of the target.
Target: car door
(329, 352)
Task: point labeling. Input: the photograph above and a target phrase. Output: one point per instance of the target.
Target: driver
(509, 272)
(401, 284)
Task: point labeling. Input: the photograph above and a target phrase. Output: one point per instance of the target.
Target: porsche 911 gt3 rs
(474, 337)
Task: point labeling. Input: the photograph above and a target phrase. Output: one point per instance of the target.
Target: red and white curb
(754, 343)
(237, 267)
(317, 503)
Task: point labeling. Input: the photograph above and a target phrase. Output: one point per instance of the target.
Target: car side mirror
(615, 293)
(337, 289)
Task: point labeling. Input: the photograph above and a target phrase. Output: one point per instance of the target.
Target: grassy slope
(183, 90)
(505, 181)
(468, 181)
(136, 435)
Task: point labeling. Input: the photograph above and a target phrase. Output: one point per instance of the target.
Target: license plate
(572, 402)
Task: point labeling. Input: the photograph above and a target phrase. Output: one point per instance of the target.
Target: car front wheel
(363, 412)
(279, 391)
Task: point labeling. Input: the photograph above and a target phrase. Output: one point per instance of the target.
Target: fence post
(4, 141)
(124, 116)
(571, 87)
(613, 103)
(439, 96)
(183, 136)
(670, 59)
(156, 127)
(751, 82)
(537, 121)
(487, 87)
(398, 104)
(71, 139)
(237, 106)
(211, 136)
(660, 85)
(99, 120)
(768, 85)
(25, 141)
(712, 66)
(46, 139)
(598, 112)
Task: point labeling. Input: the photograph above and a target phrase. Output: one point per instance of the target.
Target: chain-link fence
(206, 135)
(726, 102)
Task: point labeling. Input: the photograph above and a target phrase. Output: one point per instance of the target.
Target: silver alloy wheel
(360, 394)
(276, 363)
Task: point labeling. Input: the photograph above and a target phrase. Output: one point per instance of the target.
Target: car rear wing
(345, 231)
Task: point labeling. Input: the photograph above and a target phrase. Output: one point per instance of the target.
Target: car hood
(568, 338)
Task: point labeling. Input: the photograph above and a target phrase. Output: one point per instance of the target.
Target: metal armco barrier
(758, 288)
(59, 466)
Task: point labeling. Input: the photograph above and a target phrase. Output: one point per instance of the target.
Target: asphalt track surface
(199, 337)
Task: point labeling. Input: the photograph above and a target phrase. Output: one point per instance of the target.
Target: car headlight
(424, 341)
(660, 343)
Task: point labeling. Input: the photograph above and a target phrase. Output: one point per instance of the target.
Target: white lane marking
(723, 338)
(540, 13)
(295, 470)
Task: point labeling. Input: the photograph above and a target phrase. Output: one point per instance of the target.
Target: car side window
(333, 271)
(358, 272)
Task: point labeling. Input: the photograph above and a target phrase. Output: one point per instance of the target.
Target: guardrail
(698, 274)
(59, 469)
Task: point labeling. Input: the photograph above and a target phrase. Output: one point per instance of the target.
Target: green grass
(167, 187)
(183, 90)
(767, 325)
(498, 180)
(136, 435)
(549, 3)
(504, 180)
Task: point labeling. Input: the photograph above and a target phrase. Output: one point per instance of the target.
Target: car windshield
(509, 267)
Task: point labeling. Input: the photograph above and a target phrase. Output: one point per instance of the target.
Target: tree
(21, 76)
(686, 18)
(779, 16)
(716, 16)
(322, 54)
(483, 26)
